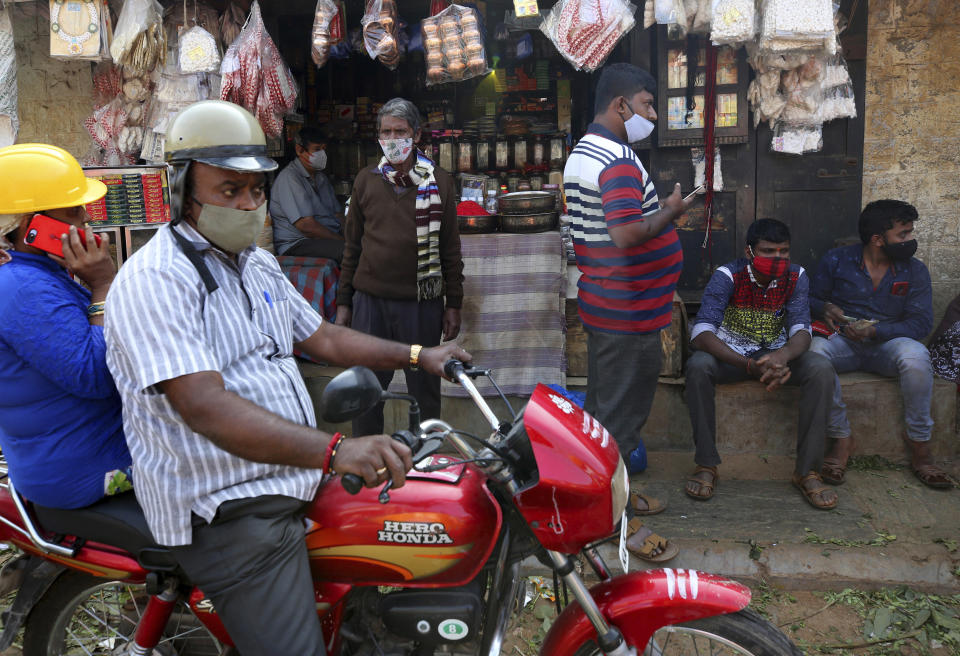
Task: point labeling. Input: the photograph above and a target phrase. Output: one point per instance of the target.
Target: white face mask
(230, 229)
(397, 150)
(638, 128)
(318, 160)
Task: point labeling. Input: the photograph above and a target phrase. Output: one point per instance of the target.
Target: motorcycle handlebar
(353, 483)
(453, 368)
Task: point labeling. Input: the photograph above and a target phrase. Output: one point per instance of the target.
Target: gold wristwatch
(415, 356)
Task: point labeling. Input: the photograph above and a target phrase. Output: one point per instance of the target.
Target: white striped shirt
(162, 323)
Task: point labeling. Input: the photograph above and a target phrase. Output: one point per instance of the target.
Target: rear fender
(639, 603)
(38, 576)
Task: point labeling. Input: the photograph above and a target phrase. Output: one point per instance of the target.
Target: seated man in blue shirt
(61, 428)
(307, 218)
(879, 280)
(754, 322)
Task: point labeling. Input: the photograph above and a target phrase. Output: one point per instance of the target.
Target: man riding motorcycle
(201, 326)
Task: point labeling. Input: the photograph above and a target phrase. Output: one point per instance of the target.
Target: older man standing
(201, 327)
(305, 211)
(402, 274)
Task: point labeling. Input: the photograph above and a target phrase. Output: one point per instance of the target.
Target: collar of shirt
(863, 265)
(37, 260)
(597, 129)
(302, 170)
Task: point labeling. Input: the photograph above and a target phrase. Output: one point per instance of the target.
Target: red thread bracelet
(331, 453)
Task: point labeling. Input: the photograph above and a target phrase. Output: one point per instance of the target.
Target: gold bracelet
(91, 315)
(96, 309)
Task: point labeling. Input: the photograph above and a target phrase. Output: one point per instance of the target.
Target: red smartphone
(44, 233)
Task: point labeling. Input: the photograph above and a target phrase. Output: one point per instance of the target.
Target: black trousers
(251, 562)
(410, 322)
(622, 372)
(811, 371)
(332, 249)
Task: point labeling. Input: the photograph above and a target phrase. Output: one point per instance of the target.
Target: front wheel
(743, 633)
(82, 614)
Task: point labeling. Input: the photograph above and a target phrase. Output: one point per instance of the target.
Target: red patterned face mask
(771, 267)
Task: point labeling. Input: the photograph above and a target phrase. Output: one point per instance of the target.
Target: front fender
(639, 603)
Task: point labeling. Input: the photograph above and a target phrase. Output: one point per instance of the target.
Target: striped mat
(513, 311)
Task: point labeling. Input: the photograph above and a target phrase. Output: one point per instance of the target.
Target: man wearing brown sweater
(401, 277)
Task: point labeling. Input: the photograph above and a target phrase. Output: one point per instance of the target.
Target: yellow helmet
(39, 177)
(218, 133)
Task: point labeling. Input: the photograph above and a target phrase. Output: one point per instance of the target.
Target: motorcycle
(430, 568)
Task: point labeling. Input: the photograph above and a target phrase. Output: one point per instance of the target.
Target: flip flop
(654, 505)
(932, 476)
(706, 487)
(814, 496)
(651, 543)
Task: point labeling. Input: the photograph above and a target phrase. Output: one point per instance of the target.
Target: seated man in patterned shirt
(754, 322)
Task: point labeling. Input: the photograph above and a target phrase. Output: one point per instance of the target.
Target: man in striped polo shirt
(629, 257)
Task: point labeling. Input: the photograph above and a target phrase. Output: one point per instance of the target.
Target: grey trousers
(411, 322)
(622, 372)
(251, 562)
(811, 371)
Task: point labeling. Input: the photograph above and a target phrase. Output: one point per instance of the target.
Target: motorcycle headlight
(619, 490)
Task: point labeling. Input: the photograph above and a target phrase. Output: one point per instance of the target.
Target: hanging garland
(74, 41)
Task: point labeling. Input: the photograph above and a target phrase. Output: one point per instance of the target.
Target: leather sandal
(833, 471)
(815, 496)
(932, 476)
(653, 548)
(653, 505)
(705, 488)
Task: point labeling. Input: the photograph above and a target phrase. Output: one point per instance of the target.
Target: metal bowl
(527, 202)
(540, 222)
(477, 224)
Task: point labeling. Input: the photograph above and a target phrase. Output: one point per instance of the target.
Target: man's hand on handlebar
(374, 458)
(432, 359)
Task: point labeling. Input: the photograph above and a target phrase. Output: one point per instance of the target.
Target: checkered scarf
(428, 217)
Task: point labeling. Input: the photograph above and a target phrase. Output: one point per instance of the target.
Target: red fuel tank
(437, 530)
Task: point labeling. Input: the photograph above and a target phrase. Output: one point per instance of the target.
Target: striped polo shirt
(621, 290)
(162, 323)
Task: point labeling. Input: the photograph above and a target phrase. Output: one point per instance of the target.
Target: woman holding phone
(61, 428)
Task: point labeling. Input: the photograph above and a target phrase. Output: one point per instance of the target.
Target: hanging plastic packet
(670, 12)
(733, 21)
(321, 38)
(525, 8)
(796, 139)
(586, 31)
(453, 45)
(698, 156)
(198, 51)
(379, 24)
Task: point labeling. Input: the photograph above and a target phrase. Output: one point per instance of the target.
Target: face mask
(638, 128)
(903, 250)
(397, 150)
(771, 267)
(318, 160)
(230, 229)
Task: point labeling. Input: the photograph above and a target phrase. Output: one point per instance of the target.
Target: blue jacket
(902, 303)
(60, 422)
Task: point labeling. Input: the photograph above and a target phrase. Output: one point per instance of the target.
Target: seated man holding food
(876, 300)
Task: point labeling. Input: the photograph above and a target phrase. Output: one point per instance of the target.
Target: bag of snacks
(586, 31)
(453, 45)
(324, 16)
(198, 51)
(733, 21)
(380, 32)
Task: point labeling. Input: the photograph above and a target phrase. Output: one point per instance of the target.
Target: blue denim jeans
(903, 357)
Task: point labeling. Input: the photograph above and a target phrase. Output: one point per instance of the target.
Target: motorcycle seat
(117, 521)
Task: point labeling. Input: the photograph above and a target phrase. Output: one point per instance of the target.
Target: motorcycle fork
(154, 620)
(609, 638)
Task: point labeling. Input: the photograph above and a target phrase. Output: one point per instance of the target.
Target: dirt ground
(820, 623)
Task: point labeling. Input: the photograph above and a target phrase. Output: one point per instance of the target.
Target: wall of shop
(912, 137)
(54, 95)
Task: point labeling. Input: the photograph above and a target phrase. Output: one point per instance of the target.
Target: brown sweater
(380, 254)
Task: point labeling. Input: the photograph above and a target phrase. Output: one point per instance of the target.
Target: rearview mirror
(349, 395)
